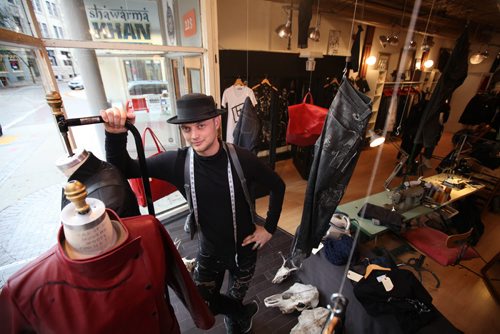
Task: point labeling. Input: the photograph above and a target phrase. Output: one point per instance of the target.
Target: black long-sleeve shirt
(212, 190)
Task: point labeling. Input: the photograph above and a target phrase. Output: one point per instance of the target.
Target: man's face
(202, 136)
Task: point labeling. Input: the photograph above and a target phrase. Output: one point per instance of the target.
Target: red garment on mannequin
(121, 291)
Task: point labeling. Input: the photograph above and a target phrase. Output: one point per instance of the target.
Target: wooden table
(383, 198)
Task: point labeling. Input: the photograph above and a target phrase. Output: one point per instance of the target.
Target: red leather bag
(159, 188)
(305, 122)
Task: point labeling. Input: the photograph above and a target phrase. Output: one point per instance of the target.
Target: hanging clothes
(305, 15)
(354, 64)
(327, 92)
(246, 132)
(233, 99)
(123, 290)
(272, 112)
(480, 109)
(336, 153)
(453, 76)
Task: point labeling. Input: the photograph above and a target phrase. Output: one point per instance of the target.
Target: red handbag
(305, 122)
(159, 188)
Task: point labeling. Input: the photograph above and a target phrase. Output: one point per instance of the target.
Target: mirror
(409, 64)
(491, 276)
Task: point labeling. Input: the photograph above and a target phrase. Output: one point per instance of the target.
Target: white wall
(263, 18)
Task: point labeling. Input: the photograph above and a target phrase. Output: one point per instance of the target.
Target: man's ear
(217, 121)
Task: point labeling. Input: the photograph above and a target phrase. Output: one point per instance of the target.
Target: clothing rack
(404, 83)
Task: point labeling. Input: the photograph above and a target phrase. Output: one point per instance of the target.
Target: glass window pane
(13, 17)
(29, 148)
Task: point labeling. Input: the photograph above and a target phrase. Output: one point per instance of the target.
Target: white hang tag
(354, 276)
(387, 283)
(316, 250)
(380, 278)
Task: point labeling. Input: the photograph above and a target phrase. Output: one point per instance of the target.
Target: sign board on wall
(189, 21)
(132, 21)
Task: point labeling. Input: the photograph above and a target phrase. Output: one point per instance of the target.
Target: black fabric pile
(407, 300)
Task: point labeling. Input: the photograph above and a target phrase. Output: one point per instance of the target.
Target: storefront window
(139, 21)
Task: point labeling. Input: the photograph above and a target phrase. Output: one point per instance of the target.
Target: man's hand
(114, 119)
(260, 237)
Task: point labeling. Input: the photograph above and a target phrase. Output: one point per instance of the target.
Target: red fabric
(159, 188)
(305, 122)
(121, 291)
(432, 243)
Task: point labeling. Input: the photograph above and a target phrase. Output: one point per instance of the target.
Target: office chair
(444, 249)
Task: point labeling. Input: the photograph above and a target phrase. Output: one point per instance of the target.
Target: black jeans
(335, 156)
(209, 275)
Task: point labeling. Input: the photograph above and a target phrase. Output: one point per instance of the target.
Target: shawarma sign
(123, 21)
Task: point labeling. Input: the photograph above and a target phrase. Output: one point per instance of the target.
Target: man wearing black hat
(229, 239)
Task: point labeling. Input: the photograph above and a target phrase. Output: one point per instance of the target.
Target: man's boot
(231, 326)
(249, 311)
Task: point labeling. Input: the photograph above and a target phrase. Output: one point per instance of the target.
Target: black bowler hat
(196, 107)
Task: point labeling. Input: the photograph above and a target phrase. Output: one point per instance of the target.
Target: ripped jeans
(209, 275)
(336, 153)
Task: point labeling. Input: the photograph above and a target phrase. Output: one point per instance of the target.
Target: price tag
(387, 283)
(354, 276)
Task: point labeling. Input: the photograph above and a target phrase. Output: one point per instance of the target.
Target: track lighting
(375, 139)
(478, 57)
(428, 63)
(285, 30)
(371, 60)
(314, 31)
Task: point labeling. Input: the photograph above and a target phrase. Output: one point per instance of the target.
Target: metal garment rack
(55, 102)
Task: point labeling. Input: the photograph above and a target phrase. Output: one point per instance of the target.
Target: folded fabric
(392, 219)
(337, 250)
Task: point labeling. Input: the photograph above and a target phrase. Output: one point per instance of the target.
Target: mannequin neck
(69, 165)
(91, 234)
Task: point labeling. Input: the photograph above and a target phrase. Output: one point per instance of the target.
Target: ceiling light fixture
(285, 30)
(314, 33)
(428, 63)
(375, 139)
(427, 43)
(478, 57)
(371, 60)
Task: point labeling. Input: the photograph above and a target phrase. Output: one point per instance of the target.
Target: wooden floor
(267, 320)
(462, 298)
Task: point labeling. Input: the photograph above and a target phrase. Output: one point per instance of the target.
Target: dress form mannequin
(103, 181)
(87, 227)
(68, 165)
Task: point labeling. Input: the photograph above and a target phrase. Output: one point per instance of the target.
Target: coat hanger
(372, 267)
(265, 81)
(333, 81)
(238, 82)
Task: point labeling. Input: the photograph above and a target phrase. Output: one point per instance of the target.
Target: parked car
(144, 87)
(76, 83)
